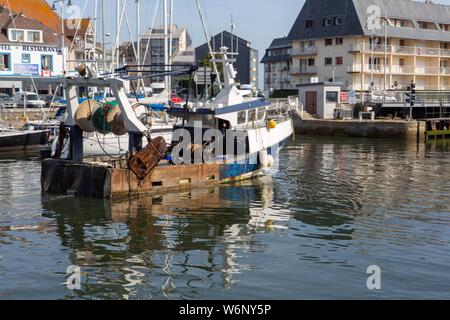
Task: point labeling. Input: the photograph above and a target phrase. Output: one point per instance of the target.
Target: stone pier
(385, 129)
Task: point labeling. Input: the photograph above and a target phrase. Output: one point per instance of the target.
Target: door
(311, 102)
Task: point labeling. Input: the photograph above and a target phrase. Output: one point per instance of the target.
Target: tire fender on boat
(265, 159)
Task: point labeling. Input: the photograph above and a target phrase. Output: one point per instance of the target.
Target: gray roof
(271, 59)
(316, 10)
(277, 43)
(354, 14)
(280, 43)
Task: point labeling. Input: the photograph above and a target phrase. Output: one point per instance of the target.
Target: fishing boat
(230, 138)
(15, 140)
(258, 130)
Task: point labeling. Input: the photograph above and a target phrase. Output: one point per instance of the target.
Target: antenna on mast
(209, 44)
(232, 31)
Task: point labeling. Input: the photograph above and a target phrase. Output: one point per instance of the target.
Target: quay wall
(386, 129)
(16, 116)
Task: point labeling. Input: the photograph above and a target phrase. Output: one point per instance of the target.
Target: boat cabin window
(252, 115)
(242, 117)
(261, 114)
(224, 125)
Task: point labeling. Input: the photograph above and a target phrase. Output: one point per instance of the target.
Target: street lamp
(69, 4)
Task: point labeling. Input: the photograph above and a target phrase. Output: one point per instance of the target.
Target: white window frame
(40, 36)
(10, 33)
(25, 35)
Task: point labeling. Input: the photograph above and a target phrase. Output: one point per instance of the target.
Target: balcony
(365, 68)
(304, 70)
(306, 51)
(396, 69)
(400, 50)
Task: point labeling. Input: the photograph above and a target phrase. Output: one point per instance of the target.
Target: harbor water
(310, 230)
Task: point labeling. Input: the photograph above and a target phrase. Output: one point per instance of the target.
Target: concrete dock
(17, 117)
(386, 129)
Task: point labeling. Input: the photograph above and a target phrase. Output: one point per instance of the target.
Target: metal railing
(399, 97)
(406, 50)
(304, 51)
(304, 70)
(287, 107)
(397, 69)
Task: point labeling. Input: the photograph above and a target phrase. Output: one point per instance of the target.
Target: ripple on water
(334, 207)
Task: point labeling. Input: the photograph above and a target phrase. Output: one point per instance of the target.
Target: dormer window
(34, 36)
(328, 21)
(16, 35)
(427, 25)
(19, 35)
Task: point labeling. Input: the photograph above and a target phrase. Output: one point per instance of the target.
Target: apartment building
(277, 66)
(372, 44)
(152, 47)
(247, 60)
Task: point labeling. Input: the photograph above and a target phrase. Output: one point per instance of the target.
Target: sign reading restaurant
(30, 48)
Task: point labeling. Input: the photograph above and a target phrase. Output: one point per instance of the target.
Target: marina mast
(205, 31)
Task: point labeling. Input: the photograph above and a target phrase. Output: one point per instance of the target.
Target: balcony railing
(306, 51)
(304, 70)
(402, 50)
(407, 70)
(403, 87)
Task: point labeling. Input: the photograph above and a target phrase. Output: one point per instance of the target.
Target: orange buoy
(272, 124)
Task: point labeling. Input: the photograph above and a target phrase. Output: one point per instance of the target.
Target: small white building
(27, 48)
(320, 99)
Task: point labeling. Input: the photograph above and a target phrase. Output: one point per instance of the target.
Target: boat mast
(211, 52)
(95, 31)
(103, 36)
(166, 46)
(138, 31)
(117, 32)
(170, 41)
(138, 46)
(232, 30)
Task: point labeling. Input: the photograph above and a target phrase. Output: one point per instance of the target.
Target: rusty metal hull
(97, 181)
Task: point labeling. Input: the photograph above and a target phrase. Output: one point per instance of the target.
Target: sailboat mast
(170, 41)
(138, 36)
(95, 29)
(208, 43)
(103, 36)
(138, 31)
(117, 32)
(170, 31)
(166, 45)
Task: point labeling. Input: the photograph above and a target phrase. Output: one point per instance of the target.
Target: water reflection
(190, 240)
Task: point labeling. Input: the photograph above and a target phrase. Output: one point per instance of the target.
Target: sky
(258, 21)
